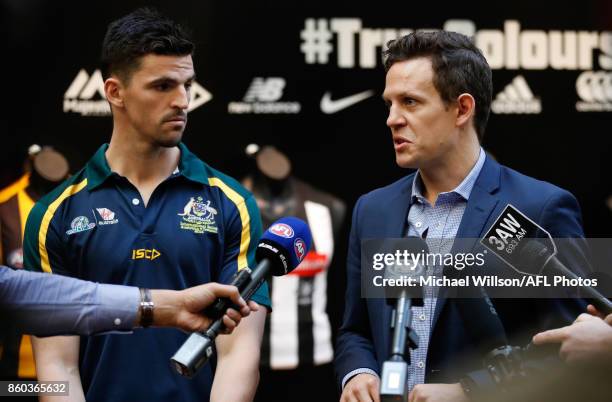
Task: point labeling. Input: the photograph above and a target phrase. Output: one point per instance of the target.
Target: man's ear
(466, 108)
(113, 88)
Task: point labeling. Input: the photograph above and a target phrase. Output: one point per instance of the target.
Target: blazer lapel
(396, 222)
(479, 207)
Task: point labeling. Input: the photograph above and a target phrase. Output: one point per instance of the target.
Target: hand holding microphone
(587, 340)
(281, 249)
(596, 313)
(183, 308)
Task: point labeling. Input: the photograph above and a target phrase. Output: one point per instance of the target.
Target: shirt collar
(97, 169)
(189, 166)
(464, 189)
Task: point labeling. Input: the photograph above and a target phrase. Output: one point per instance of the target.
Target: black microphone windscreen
(533, 256)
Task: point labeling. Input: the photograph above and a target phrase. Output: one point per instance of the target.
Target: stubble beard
(171, 139)
(169, 142)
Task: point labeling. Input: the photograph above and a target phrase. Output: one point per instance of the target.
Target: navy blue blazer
(365, 335)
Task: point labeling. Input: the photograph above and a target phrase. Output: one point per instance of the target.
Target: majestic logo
(80, 224)
(329, 106)
(108, 216)
(595, 91)
(79, 97)
(199, 217)
(516, 98)
(282, 230)
(263, 97)
(85, 95)
(145, 254)
(300, 248)
(198, 96)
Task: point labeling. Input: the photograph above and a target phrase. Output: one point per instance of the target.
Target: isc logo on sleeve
(145, 254)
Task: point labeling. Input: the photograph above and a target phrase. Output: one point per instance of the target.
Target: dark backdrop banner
(307, 78)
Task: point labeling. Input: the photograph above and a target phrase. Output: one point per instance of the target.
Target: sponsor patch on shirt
(80, 224)
(108, 216)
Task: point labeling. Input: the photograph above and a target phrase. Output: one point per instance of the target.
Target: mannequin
(297, 341)
(45, 169)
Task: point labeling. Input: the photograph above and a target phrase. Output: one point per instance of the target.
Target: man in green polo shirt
(146, 212)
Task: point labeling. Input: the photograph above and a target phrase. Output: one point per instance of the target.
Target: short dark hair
(137, 34)
(458, 65)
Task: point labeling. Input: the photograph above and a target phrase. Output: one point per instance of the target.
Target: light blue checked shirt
(440, 222)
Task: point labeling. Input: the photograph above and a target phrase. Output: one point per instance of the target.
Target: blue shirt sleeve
(47, 305)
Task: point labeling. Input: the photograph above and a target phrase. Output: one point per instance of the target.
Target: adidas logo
(262, 97)
(595, 91)
(85, 95)
(516, 98)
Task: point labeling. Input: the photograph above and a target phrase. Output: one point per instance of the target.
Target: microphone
(280, 250)
(407, 297)
(511, 239)
(540, 259)
(506, 237)
(394, 385)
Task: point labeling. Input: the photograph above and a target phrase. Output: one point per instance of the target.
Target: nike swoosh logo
(329, 106)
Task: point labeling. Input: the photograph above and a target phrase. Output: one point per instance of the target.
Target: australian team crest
(198, 216)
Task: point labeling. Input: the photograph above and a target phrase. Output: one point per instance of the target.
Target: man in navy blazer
(438, 90)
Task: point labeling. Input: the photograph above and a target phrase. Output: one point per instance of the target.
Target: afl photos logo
(282, 230)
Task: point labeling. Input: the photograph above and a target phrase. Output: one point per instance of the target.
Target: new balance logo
(516, 98)
(595, 91)
(85, 95)
(265, 90)
(263, 96)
